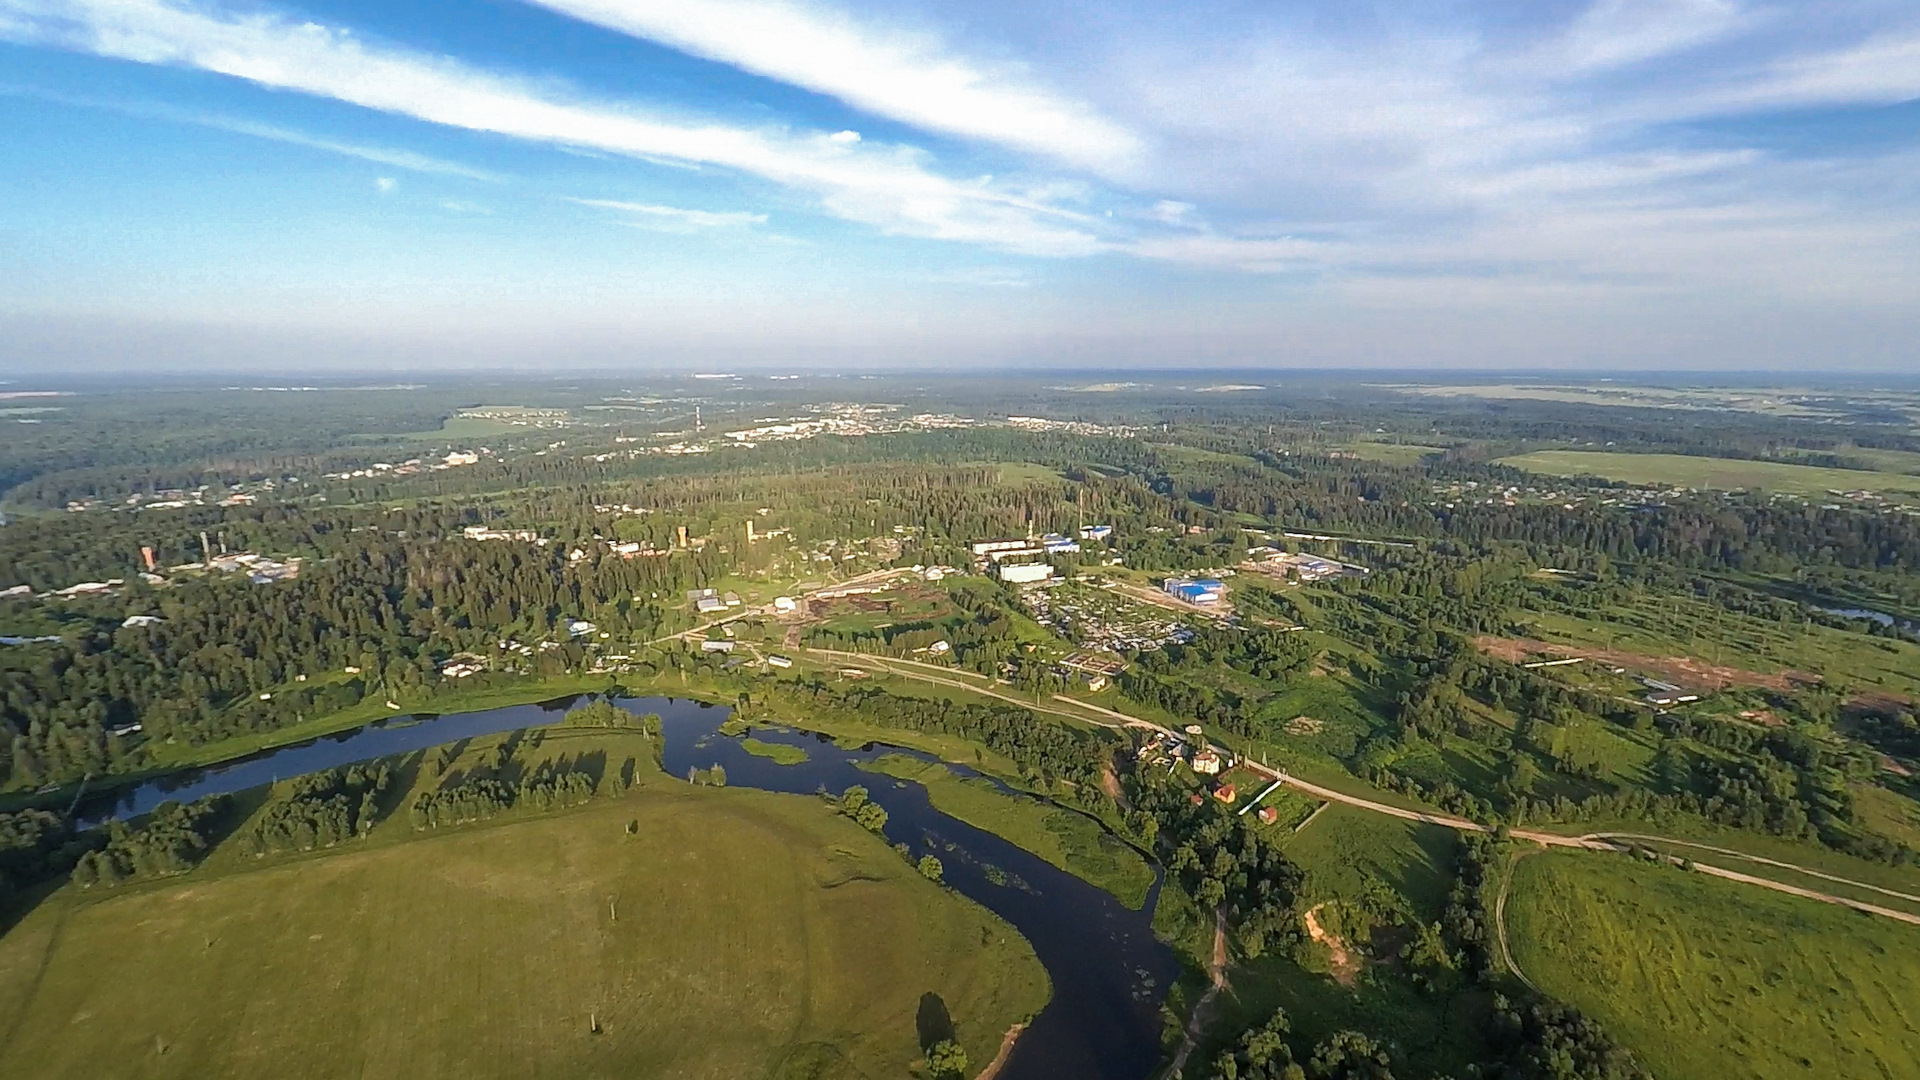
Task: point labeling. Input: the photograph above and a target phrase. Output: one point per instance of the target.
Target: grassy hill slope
(1705, 978)
(736, 933)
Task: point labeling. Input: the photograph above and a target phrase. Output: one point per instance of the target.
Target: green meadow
(669, 931)
(778, 753)
(1682, 470)
(1071, 841)
(1707, 978)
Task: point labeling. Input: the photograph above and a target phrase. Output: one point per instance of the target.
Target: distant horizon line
(16, 383)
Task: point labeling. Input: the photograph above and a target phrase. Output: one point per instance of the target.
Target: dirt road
(1617, 842)
(1217, 977)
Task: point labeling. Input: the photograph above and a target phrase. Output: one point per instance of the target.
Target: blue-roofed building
(1195, 590)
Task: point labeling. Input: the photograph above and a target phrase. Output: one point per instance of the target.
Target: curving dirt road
(1197, 1019)
(1617, 842)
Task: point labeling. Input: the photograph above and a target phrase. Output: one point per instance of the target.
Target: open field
(1707, 979)
(1352, 853)
(1680, 470)
(1772, 402)
(736, 933)
(1690, 642)
(1073, 842)
(1390, 453)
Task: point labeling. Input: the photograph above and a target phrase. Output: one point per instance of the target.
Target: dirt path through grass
(1346, 966)
(1202, 1009)
(1006, 1050)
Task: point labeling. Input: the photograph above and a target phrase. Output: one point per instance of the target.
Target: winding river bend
(1109, 972)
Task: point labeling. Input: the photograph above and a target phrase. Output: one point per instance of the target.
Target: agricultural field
(671, 931)
(1685, 471)
(1798, 402)
(1706, 978)
(1071, 841)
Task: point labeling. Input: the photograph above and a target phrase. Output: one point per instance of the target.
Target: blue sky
(1678, 184)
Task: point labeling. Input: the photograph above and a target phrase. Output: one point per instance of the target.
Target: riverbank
(770, 928)
(165, 760)
(1071, 841)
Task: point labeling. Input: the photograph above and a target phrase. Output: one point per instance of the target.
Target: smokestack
(146, 556)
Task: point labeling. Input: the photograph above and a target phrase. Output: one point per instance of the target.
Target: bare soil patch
(1686, 671)
(1346, 964)
(1304, 725)
(1006, 1049)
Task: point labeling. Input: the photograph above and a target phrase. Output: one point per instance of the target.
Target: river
(1109, 972)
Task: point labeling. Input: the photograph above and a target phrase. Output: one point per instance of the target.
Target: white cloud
(1615, 33)
(1882, 70)
(399, 159)
(1173, 212)
(673, 218)
(912, 77)
(886, 187)
(844, 137)
(385, 184)
(379, 155)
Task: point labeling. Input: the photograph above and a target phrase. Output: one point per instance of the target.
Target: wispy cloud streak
(913, 77)
(887, 187)
(677, 219)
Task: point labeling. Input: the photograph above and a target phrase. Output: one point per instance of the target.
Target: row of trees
(322, 810)
(482, 797)
(172, 840)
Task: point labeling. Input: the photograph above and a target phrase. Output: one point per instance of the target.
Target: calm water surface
(1109, 972)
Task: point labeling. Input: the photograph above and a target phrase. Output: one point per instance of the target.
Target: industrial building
(1195, 590)
(1023, 573)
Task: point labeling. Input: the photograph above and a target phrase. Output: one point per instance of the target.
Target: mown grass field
(1706, 978)
(735, 933)
(1681, 470)
(1073, 842)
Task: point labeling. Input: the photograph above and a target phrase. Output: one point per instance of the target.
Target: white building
(1023, 573)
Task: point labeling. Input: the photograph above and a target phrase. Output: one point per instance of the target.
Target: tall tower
(681, 530)
(749, 530)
